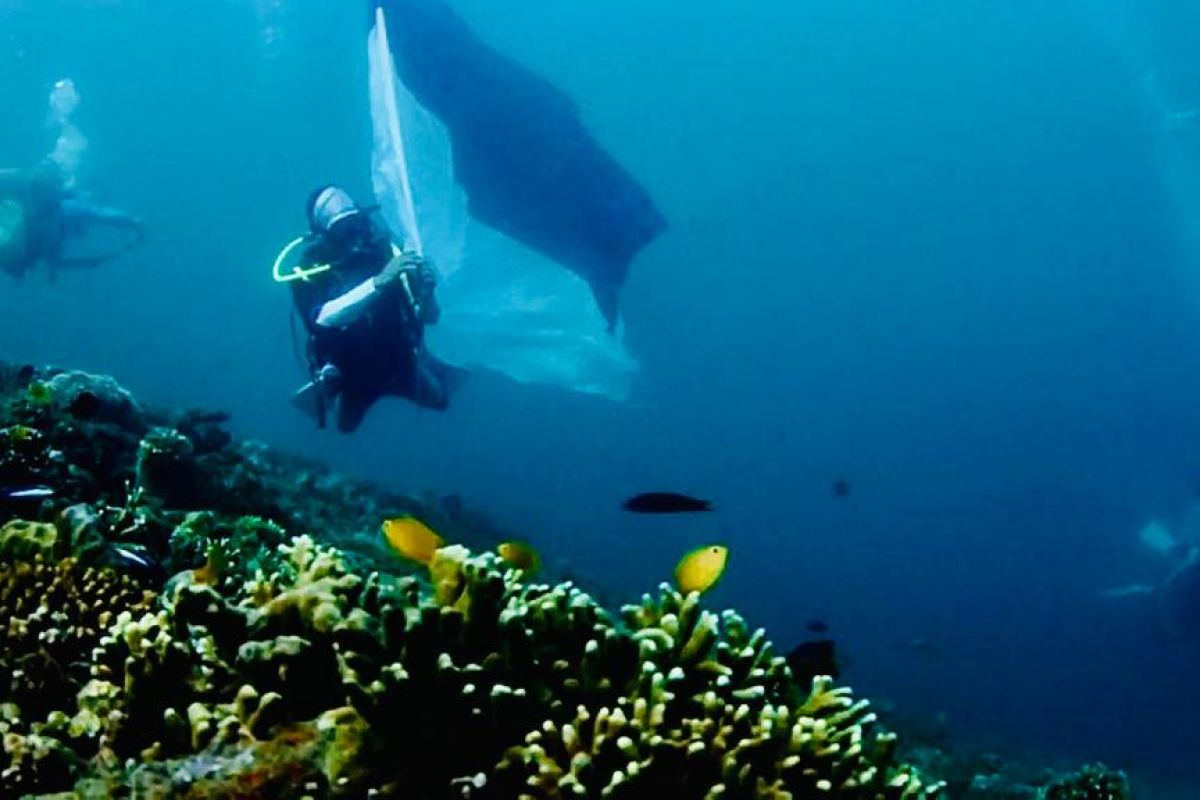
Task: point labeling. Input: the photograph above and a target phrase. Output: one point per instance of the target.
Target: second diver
(44, 221)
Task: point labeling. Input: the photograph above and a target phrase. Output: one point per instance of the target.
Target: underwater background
(946, 251)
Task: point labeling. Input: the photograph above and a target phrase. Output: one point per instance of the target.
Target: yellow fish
(701, 568)
(520, 555)
(412, 539)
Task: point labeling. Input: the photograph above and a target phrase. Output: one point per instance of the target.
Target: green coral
(39, 393)
(23, 449)
(22, 540)
(236, 548)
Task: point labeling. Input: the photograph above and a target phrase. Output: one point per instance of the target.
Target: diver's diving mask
(331, 206)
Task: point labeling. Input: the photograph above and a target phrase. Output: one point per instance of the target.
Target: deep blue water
(943, 249)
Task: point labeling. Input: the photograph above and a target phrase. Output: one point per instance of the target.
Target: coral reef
(482, 686)
(142, 469)
(188, 616)
(54, 614)
(1093, 782)
(990, 775)
(31, 761)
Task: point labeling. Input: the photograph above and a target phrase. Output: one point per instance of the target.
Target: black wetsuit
(381, 352)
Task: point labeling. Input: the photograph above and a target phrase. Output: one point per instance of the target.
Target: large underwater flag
(487, 169)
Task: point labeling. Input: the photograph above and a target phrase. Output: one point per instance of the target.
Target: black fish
(665, 503)
(840, 487)
(817, 626)
(810, 659)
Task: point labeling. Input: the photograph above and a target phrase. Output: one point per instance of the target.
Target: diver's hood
(329, 207)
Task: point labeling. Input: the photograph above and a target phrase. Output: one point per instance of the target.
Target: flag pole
(388, 77)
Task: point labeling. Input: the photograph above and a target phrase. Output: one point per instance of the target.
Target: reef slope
(191, 616)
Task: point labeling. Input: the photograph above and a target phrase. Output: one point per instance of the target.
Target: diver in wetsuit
(365, 305)
(40, 218)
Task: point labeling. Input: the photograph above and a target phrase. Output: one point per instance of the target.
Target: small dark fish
(810, 659)
(138, 564)
(665, 503)
(840, 487)
(921, 645)
(817, 626)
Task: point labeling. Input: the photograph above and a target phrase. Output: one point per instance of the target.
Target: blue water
(944, 250)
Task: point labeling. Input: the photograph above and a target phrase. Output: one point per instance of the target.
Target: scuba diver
(365, 304)
(1177, 595)
(42, 220)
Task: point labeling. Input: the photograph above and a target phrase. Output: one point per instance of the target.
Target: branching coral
(480, 686)
(708, 717)
(53, 615)
(31, 762)
(228, 551)
(680, 703)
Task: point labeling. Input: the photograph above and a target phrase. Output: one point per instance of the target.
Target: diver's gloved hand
(426, 277)
(397, 266)
(423, 289)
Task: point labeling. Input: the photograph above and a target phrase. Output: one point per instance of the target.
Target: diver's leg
(353, 406)
(431, 388)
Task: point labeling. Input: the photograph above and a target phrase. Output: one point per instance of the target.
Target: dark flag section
(527, 164)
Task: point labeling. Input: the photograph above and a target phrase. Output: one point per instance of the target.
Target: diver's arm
(346, 308)
(80, 215)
